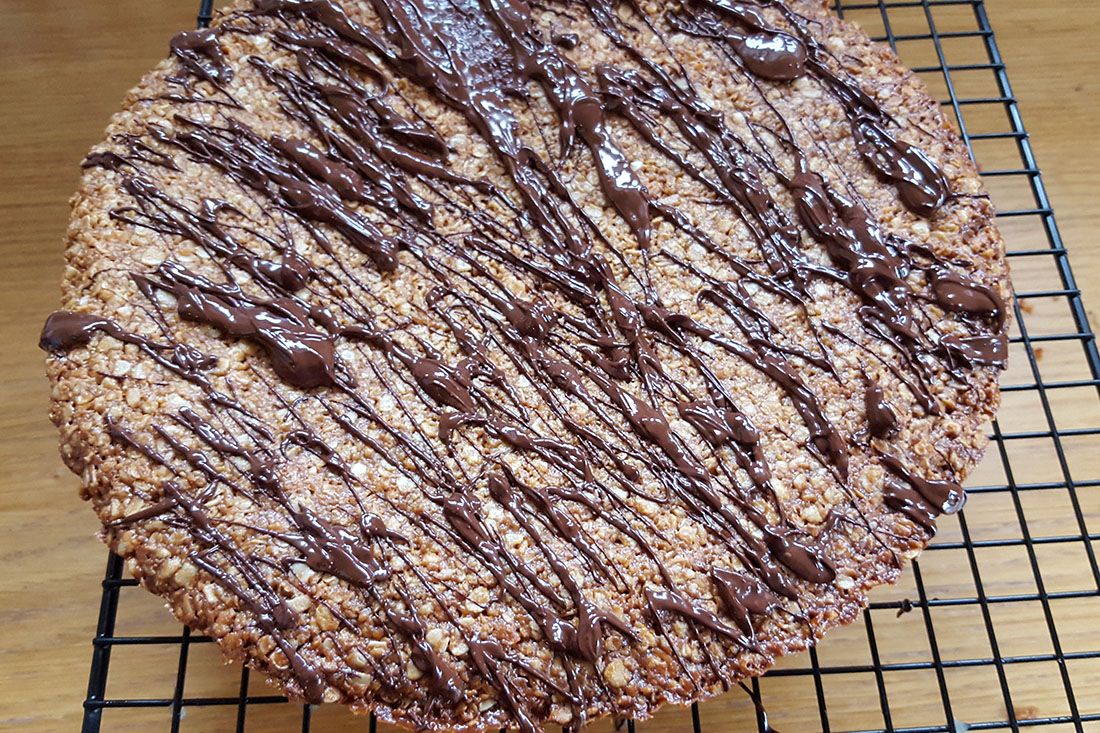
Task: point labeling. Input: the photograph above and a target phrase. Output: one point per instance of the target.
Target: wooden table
(63, 67)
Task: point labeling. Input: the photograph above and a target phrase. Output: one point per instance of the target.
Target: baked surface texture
(484, 364)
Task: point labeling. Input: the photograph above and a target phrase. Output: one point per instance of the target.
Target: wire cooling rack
(998, 629)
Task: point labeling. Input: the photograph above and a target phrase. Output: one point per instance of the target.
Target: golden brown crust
(341, 632)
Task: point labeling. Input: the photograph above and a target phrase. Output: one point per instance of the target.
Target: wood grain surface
(64, 66)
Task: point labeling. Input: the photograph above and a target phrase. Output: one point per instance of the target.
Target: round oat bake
(484, 364)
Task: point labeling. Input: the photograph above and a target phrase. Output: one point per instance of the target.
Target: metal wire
(206, 10)
(116, 586)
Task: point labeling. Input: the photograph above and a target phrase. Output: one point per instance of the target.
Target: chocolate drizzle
(65, 330)
(533, 285)
(921, 500)
(959, 294)
(298, 353)
(201, 55)
(881, 420)
(775, 56)
(921, 185)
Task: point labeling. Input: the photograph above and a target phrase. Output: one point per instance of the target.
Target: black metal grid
(958, 43)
